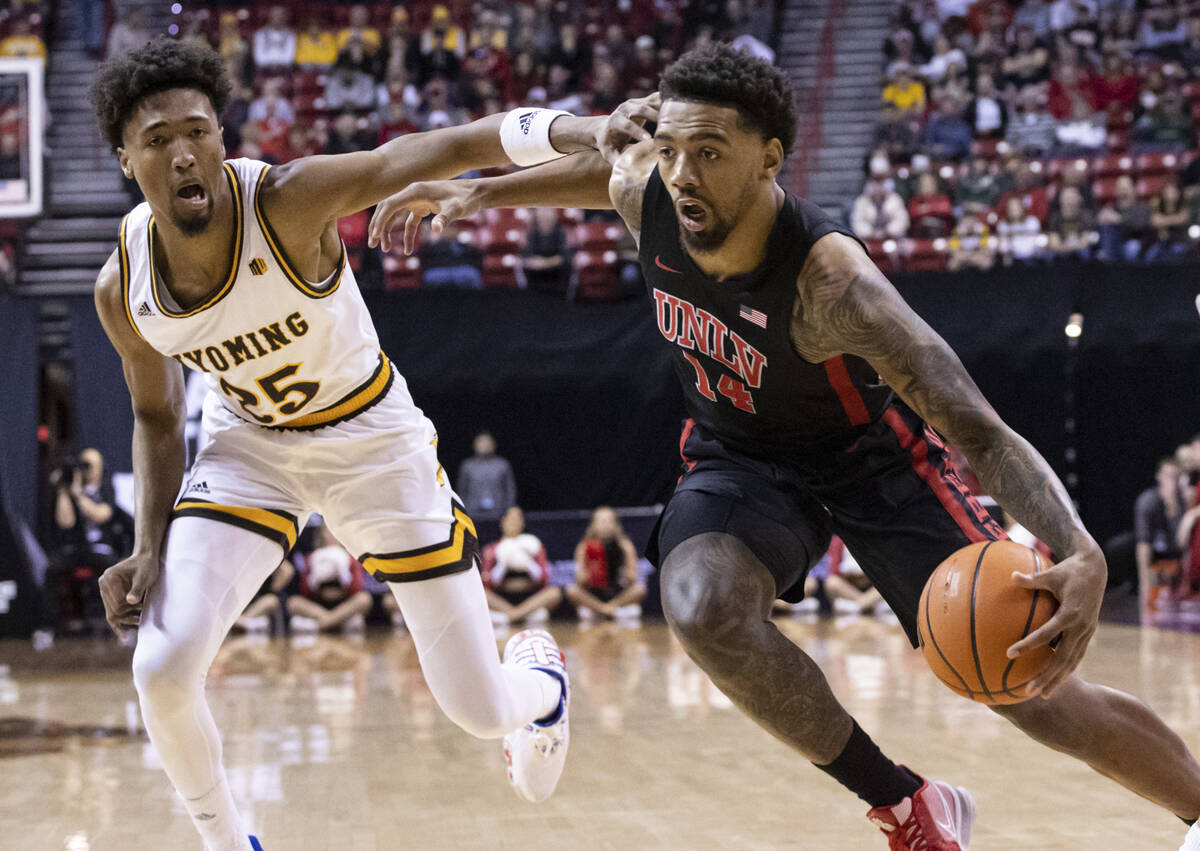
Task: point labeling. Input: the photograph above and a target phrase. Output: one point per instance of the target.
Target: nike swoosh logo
(661, 265)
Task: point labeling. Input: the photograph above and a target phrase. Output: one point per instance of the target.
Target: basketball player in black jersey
(818, 402)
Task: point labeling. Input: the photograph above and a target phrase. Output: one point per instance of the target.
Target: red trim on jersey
(688, 425)
(852, 403)
(942, 489)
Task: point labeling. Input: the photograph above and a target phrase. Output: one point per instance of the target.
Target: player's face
(712, 168)
(173, 149)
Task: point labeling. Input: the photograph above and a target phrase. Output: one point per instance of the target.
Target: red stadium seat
(506, 217)
(597, 236)
(500, 270)
(308, 104)
(926, 255)
(885, 253)
(309, 82)
(401, 273)
(596, 276)
(1057, 167)
(1113, 165)
(985, 148)
(1153, 165)
(1118, 140)
(1104, 190)
(1148, 187)
(493, 239)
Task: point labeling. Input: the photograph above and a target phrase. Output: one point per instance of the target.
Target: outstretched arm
(846, 305)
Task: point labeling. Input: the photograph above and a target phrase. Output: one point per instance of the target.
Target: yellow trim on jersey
(450, 557)
(277, 250)
(359, 399)
(235, 185)
(123, 258)
(276, 525)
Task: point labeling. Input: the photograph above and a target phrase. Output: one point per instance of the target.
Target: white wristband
(525, 135)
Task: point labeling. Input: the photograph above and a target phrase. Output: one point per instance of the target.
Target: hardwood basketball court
(338, 745)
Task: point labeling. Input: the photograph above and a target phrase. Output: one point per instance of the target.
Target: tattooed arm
(846, 305)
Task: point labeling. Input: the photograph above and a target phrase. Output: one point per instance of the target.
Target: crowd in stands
(1017, 133)
(331, 78)
(1166, 524)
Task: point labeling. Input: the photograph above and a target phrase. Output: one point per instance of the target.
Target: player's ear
(123, 159)
(221, 135)
(773, 157)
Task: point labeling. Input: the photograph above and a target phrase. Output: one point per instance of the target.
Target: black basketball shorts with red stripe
(893, 497)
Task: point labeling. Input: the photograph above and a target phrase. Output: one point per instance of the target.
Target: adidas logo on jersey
(144, 309)
(258, 266)
(199, 487)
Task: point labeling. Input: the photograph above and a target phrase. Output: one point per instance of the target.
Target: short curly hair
(720, 75)
(125, 81)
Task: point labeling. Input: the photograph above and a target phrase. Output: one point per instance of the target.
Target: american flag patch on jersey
(751, 315)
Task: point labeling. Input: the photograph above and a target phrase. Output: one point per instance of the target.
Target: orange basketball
(971, 612)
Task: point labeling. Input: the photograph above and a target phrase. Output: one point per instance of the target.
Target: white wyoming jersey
(276, 349)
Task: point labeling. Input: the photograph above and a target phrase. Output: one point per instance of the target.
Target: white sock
(216, 817)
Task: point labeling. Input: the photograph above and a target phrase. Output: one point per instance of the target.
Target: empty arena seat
(506, 217)
(1118, 140)
(309, 82)
(1191, 89)
(1148, 187)
(597, 236)
(926, 255)
(1104, 190)
(308, 104)
(500, 270)
(498, 239)
(596, 276)
(1157, 164)
(885, 253)
(401, 273)
(1056, 168)
(1112, 165)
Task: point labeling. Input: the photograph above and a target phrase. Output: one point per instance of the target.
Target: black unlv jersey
(741, 376)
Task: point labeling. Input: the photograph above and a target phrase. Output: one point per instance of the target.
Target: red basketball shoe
(939, 817)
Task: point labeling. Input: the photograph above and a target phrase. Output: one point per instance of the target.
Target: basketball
(971, 612)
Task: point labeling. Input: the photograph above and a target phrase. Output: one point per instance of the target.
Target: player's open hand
(124, 587)
(447, 200)
(627, 125)
(1078, 585)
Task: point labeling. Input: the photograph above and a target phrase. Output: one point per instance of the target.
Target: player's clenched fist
(124, 586)
(627, 125)
(446, 200)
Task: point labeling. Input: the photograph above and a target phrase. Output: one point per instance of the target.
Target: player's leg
(210, 570)
(498, 604)
(582, 598)
(358, 603)
(1118, 736)
(305, 608)
(630, 596)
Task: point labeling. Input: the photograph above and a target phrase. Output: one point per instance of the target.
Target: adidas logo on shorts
(144, 309)
(199, 487)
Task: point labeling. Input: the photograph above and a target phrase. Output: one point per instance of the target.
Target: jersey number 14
(731, 388)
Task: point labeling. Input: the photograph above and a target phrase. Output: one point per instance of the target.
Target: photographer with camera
(89, 540)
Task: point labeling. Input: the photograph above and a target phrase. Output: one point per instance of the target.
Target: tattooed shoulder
(628, 184)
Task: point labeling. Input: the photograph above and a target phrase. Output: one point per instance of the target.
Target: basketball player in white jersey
(235, 270)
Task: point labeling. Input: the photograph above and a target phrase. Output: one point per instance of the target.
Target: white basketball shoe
(537, 752)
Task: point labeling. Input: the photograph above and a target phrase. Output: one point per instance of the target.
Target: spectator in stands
(643, 71)
(516, 574)
(448, 261)
(22, 42)
(573, 54)
(1168, 126)
(904, 90)
(436, 109)
(898, 134)
(1019, 234)
(1162, 31)
(275, 43)
(394, 122)
(1156, 518)
(979, 189)
(298, 143)
(128, 33)
(930, 212)
(879, 213)
(89, 23)
(485, 481)
(271, 104)
(1034, 14)
(987, 112)
(316, 47)
(944, 56)
(947, 133)
(256, 619)
(398, 50)
(1116, 90)
(346, 136)
(359, 27)
(348, 87)
(1072, 227)
(1080, 40)
(1027, 62)
(606, 581)
(1030, 189)
(972, 245)
(436, 57)
(234, 49)
(525, 76)
(1032, 129)
(1124, 225)
(331, 590)
(843, 582)
(606, 89)
(546, 258)
(1069, 96)
(1123, 38)
(1170, 216)
(1189, 50)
